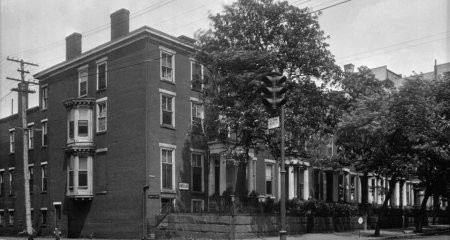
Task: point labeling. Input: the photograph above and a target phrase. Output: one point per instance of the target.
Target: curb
(408, 236)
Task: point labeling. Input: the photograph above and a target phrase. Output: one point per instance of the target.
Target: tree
(368, 135)
(249, 39)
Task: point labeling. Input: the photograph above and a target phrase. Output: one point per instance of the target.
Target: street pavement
(438, 232)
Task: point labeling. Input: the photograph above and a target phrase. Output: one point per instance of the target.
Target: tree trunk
(435, 207)
(385, 204)
(422, 211)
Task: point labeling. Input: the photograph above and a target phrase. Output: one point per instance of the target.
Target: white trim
(83, 67)
(270, 161)
(2, 170)
(79, 81)
(168, 50)
(167, 92)
(44, 120)
(44, 163)
(101, 99)
(30, 124)
(11, 210)
(31, 165)
(2, 210)
(44, 209)
(101, 150)
(12, 129)
(57, 203)
(196, 150)
(194, 99)
(106, 72)
(97, 102)
(11, 168)
(101, 60)
(166, 145)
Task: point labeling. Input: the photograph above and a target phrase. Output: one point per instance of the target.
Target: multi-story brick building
(117, 138)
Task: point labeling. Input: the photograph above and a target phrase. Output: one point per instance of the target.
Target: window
(197, 116)
(11, 181)
(44, 216)
(11, 140)
(44, 131)
(167, 108)
(167, 166)
(196, 76)
(197, 205)
(31, 174)
(2, 184)
(44, 177)
(2, 217)
(82, 173)
(30, 135)
(79, 174)
(197, 172)
(167, 65)
(101, 74)
(71, 129)
(11, 217)
(269, 179)
(83, 128)
(83, 81)
(44, 97)
(102, 115)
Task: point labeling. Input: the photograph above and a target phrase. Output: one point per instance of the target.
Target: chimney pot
(73, 46)
(120, 23)
(349, 68)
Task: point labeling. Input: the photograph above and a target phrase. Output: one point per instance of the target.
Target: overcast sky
(405, 35)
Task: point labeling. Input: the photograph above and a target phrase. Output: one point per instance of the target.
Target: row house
(117, 139)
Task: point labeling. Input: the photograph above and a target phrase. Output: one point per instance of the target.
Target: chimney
(120, 23)
(73, 46)
(349, 68)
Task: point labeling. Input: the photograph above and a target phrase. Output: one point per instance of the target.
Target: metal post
(283, 182)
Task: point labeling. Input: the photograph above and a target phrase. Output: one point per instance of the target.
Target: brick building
(117, 139)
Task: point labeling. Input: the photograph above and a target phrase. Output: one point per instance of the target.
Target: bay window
(79, 176)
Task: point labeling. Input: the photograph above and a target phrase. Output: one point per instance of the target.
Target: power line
(97, 29)
(389, 46)
(330, 6)
(396, 49)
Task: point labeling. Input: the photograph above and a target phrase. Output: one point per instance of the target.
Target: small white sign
(274, 122)
(183, 186)
(360, 220)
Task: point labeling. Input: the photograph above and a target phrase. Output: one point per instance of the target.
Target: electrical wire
(330, 6)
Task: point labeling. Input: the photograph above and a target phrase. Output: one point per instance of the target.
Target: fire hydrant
(57, 233)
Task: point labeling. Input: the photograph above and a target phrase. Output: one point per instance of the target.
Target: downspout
(146, 187)
(144, 209)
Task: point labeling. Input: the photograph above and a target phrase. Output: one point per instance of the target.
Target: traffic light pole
(283, 181)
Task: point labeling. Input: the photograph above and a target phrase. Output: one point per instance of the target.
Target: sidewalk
(396, 233)
(368, 234)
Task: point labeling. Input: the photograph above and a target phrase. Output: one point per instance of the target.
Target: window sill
(101, 90)
(168, 126)
(44, 146)
(101, 133)
(168, 81)
(168, 191)
(43, 109)
(197, 90)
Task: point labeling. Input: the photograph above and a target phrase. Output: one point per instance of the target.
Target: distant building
(383, 73)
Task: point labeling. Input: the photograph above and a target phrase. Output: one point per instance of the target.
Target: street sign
(183, 186)
(360, 220)
(153, 196)
(274, 122)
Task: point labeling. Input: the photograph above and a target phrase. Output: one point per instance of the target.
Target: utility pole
(22, 90)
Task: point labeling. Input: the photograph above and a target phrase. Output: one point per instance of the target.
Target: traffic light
(273, 89)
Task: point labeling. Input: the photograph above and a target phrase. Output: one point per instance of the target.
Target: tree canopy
(249, 39)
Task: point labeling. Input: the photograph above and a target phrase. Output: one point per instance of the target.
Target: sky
(405, 35)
